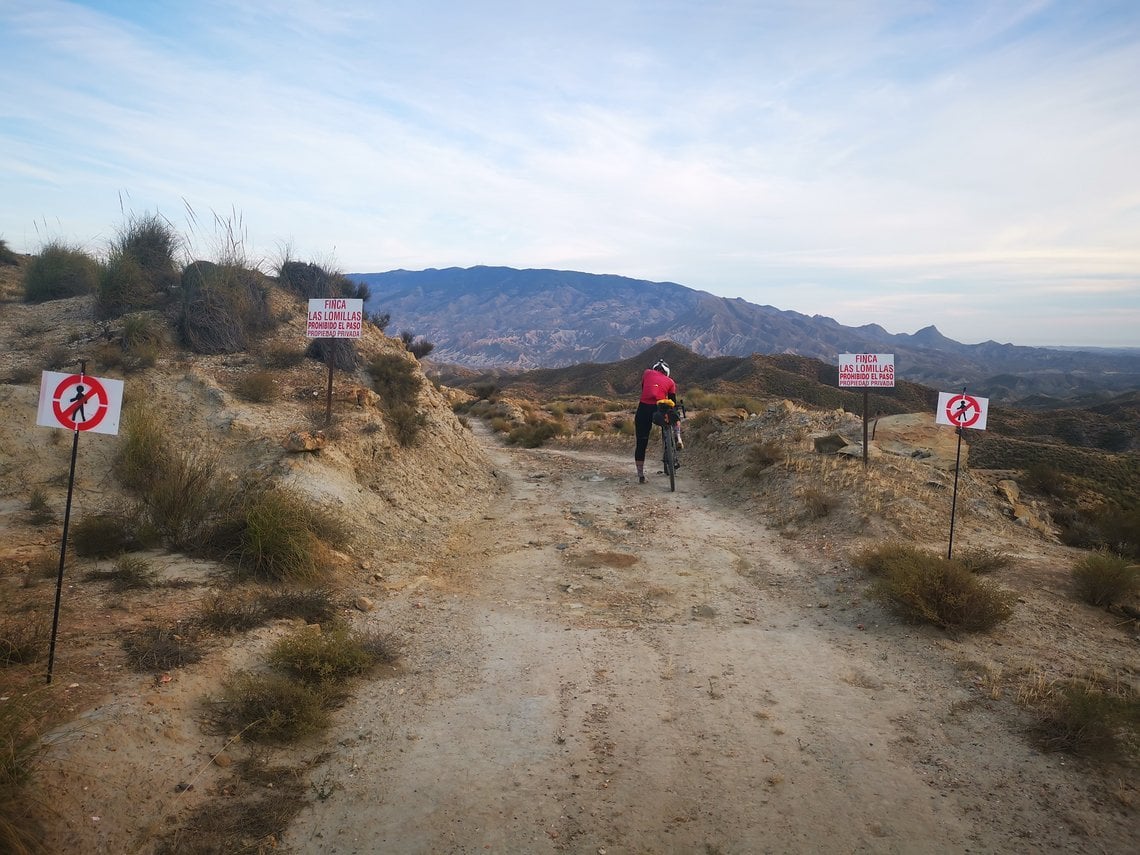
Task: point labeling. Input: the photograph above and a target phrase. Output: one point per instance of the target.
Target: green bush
(323, 657)
(342, 350)
(395, 379)
(58, 272)
(1104, 579)
(141, 270)
(925, 588)
(224, 307)
(276, 540)
(176, 485)
(535, 435)
(272, 708)
(1085, 717)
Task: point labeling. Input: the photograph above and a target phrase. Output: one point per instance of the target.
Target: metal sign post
(960, 411)
(78, 403)
(331, 319)
(866, 370)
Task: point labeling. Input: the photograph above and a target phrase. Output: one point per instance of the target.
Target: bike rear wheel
(670, 442)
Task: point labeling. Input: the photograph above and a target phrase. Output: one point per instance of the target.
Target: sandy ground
(605, 667)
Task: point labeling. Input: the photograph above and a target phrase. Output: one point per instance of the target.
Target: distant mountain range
(505, 318)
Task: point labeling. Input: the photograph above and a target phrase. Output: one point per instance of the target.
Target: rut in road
(595, 665)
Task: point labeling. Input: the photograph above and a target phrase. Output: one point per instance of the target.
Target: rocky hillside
(500, 317)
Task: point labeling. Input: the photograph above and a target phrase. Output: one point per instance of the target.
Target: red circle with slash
(67, 401)
(963, 411)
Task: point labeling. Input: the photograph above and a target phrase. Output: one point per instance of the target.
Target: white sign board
(867, 369)
(958, 409)
(78, 402)
(335, 318)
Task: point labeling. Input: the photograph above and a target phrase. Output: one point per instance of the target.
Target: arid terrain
(586, 664)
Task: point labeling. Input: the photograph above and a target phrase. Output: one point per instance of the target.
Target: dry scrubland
(224, 596)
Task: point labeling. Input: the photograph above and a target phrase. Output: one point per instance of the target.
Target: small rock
(364, 604)
(223, 761)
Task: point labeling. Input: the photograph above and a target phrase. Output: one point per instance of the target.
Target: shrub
(311, 281)
(162, 649)
(258, 387)
(231, 611)
(322, 657)
(761, 455)
(405, 422)
(141, 270)
(39, 511)
(223, 307)
(276, 541)
(484, 391)
(817, 504)
(312, 605)
(23, 640)
(20, 749)
(978, 559)
(380, 320)
(931, 589)
(129, 573)
(140, 330)
(342, 350)
(283, 356)
(395, 380)
(535, 435)
(272, 708)
(1084, 717)
(58, 272)
(1104, 579)
(7, 257)
(104, 535)
(923, 587)
(142, 449)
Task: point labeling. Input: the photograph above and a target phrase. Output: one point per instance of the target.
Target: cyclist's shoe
(640, 479)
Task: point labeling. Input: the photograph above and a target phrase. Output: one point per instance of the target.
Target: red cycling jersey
(656, 386)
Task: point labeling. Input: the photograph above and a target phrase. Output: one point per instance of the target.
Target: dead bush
(925, 588)
(761, 455)
(163, 648)
(259, 387)
(1105, 579)
(1088, 717)
(405, 422)
(23, 640)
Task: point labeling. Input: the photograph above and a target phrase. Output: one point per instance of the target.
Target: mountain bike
(668, 415)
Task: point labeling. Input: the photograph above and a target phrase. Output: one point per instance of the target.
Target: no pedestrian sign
(335, 318)
(867, 369)
(79, 402)
(961, 410)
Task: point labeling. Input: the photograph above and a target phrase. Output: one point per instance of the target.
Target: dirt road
(593, 665)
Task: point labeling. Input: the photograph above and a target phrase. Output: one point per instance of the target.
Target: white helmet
(662, 366)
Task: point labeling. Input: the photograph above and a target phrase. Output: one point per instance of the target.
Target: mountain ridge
(498, 317)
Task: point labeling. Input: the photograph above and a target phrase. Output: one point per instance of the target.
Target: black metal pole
(954, 501)
(63, 542)
(328, 396)
(865, 395)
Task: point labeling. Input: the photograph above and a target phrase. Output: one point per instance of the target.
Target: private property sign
(867, 369)
(335, 318)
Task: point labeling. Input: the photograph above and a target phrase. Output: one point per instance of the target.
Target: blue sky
(974, 165)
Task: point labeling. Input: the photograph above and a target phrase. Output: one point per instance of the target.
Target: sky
(972, 164)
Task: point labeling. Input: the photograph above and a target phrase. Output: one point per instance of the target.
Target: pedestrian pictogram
(79, 402)
(961, 410)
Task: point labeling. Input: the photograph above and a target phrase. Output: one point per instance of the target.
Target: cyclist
(656, 385)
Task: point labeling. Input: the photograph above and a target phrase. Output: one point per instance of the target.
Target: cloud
(777, 151)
